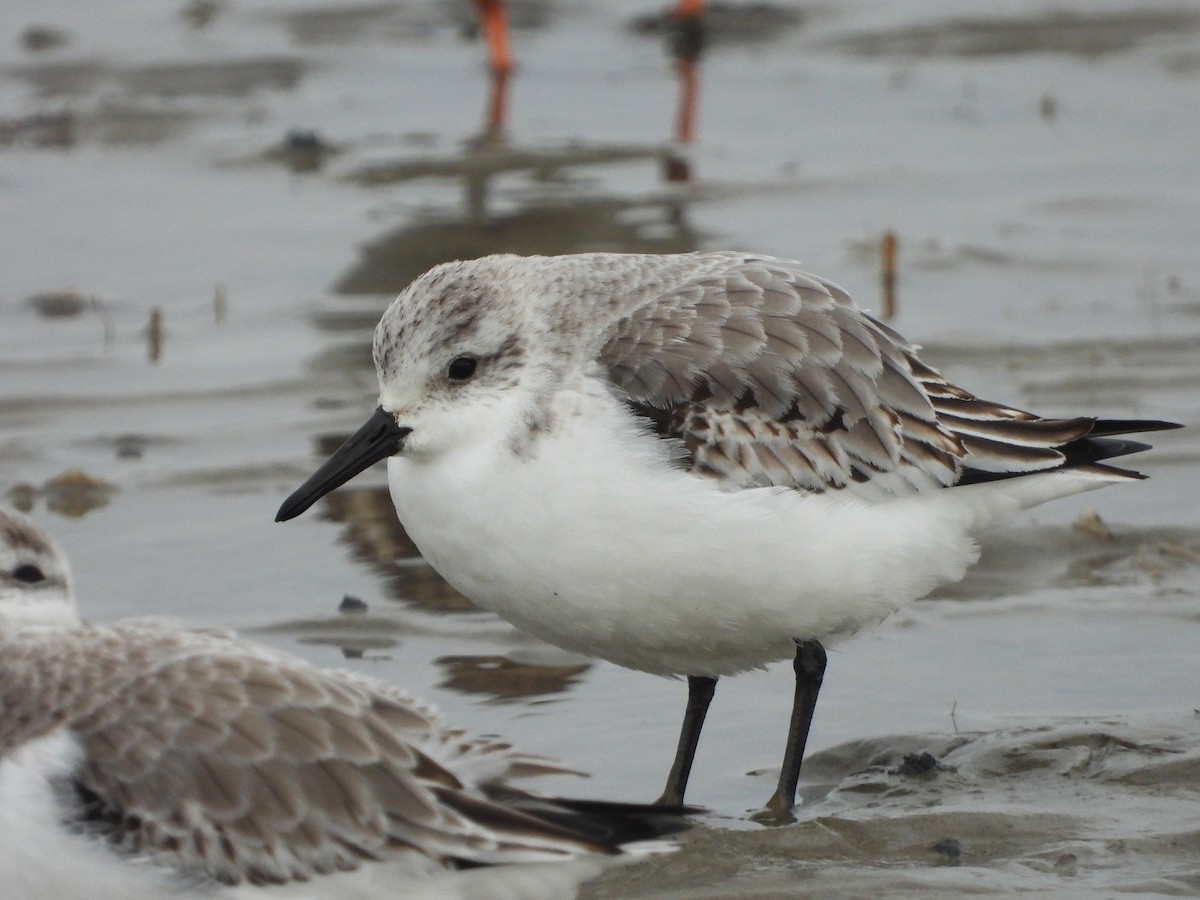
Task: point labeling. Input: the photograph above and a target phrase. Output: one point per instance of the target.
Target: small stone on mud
(37, 38)
(60, 304)
(74, 493)
(1067, 865)
(919, 765)
(22, 495)
(352, 606)
(1089, 522)
(129, 446)
(950, 848)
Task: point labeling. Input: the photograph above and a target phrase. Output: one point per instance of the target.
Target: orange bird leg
(495, 29)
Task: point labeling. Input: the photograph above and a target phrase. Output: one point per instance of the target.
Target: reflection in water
(689, 27)
(503, 679)
(1092, 34)
(72, 494)
(677, 167)
(359, 636)
(497, 105)
(199, 14)
(116, 103)
(552, 215)
(352, 647)
(154, 335)
(203, 78)
(561, 225)
(380, 540)
(742, 23)
(349, 24)
(41, 130)
(687, 43)
(495, 30)
(303, 151)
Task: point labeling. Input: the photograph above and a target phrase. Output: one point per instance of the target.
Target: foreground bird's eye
(462, 368)
(28, 573)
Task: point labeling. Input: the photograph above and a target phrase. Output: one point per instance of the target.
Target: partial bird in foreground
(691, 465)
(141, 760)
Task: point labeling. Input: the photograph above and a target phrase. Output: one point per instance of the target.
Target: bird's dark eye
(462, 368)
(28, 573)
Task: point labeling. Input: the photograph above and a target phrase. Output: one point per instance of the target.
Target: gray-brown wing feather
(252, 767)
(771, 376)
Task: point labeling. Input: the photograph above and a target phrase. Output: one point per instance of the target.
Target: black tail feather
(1110, 427)
(1085, 453)
(1094, 449)
(605, 822)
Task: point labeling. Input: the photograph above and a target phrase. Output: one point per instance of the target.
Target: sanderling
(142, 760)
(691, 465)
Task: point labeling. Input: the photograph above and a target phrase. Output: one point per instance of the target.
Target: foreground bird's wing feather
(252, 767)
(772, 376)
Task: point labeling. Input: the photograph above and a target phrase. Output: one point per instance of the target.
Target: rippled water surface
(205, 207)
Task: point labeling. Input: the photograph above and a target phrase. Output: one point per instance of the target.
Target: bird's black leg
(810, 672)
(700, 694)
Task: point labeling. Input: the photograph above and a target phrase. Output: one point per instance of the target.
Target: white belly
(596, 543)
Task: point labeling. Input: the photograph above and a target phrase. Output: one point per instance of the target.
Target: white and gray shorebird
(141, 760)
(691, 465)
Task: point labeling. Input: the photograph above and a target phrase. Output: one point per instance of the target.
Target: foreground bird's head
(464, 355)
(35, 579)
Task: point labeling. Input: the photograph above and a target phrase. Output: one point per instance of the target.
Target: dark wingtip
(1087, 453)
(1110, 427)
(608, 822)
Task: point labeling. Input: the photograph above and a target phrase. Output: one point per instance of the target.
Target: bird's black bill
(379, 438)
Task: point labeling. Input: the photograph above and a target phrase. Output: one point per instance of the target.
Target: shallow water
(1040, 170)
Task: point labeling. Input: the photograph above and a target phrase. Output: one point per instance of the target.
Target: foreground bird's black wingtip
(609, 822)
(1103, 440)
(378, 438)
(1111, 427)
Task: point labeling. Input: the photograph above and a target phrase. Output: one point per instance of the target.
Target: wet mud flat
(258, 178)
(1068, 808)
